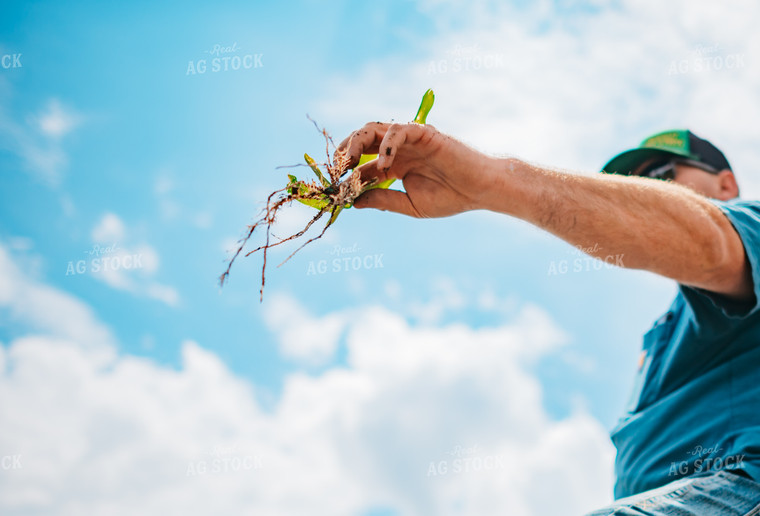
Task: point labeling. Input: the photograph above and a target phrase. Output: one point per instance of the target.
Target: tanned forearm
(655, 225)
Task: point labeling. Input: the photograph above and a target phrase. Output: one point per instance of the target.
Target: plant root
(331, 196)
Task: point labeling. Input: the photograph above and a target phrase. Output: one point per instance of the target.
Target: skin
(666, 227)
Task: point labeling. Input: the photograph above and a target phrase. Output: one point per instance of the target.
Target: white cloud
(126, 267)
(57, 121)
(203, 220)
(170, 209)
(445, 297)
(570, 87)
(107, 434)
(31, 303)
(301, 336)
(20, 243)
(163, 185)
(37, 141)
(163, 293)
(110, 229)
(229, 245)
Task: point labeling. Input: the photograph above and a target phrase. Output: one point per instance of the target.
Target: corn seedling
(329, 194)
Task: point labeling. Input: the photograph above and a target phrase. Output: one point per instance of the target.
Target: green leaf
(335, 214)
(302, 189)
(425, 106)
(314, 203)
(313, 164)
(292, 184)
(366, 158)
(382, 184)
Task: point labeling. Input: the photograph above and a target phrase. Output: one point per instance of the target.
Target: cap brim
(626, 162)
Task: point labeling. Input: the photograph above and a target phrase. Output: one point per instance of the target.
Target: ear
(729, 188)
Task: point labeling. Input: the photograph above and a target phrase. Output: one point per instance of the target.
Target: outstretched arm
(657, 226)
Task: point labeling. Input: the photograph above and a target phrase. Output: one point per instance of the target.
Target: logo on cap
(671, 139)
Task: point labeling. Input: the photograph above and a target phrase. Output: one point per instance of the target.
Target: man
(689, 442)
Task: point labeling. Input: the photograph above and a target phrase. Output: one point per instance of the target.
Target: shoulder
(747, 207)
(744, 215)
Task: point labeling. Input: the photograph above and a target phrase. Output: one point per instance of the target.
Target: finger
(393, 138)
(369, 171)
(363, 141)
(387, 200)
(397, 135)
(368, 128)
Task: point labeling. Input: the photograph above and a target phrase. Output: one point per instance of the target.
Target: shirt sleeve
(745, 217)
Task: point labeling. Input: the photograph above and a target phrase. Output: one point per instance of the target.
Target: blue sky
(107, 138)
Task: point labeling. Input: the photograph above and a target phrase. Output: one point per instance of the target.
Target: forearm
(656, 226)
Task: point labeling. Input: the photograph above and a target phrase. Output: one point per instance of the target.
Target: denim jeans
(716, 494)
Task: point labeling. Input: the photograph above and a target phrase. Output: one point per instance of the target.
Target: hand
(441, 175)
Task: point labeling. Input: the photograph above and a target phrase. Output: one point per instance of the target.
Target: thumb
(387, 200)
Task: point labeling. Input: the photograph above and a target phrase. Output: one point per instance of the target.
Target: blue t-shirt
(695, 407)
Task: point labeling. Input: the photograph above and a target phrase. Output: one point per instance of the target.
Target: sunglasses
(666, 170)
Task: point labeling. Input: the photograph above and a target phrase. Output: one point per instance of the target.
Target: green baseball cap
(674, 144)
